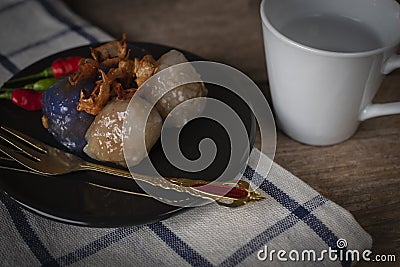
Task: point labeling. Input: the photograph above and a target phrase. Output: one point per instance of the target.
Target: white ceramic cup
(321, 95)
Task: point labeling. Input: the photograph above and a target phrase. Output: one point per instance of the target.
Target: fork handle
(197, 188)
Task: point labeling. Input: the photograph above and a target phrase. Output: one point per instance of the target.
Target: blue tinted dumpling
(65, 122)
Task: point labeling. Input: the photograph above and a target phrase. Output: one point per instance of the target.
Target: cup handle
(376, 110)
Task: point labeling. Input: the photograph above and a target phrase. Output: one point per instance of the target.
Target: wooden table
(361, 174)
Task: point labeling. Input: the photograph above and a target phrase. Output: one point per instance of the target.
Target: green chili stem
(6, 95)
(38, 86)
(43, 74)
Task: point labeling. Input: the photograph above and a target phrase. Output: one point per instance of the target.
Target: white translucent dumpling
(138, 130)
(104, 136)
(180, 94)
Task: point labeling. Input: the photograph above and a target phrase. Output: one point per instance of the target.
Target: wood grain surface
(361, 174)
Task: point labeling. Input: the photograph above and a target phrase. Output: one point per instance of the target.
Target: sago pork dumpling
(104, 136)
(178, 95)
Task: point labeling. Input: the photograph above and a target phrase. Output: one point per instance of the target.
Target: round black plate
(70, 199)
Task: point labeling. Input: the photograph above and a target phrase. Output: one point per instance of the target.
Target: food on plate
(41, 85)
(60, 116)
(27, 99)
(28, 96)
(87, 69)
(104, 136)
(86, 111)
(120, 75)
(179, 94)
(61, 67)
(108, 54)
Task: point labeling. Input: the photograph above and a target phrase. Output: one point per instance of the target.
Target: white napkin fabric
(293, 217)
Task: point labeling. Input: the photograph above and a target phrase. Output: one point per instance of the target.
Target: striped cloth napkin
(294, 218)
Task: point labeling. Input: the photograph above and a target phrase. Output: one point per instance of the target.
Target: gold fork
(48, 160)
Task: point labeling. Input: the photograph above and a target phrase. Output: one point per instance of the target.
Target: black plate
(67, 199)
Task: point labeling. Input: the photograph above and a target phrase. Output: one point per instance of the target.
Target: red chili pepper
(59, 68)
(27, 99)
(64, 66)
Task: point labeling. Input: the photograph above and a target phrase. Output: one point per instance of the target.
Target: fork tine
(7, 159)
(29, 163)
(30, 140)
(25, 149)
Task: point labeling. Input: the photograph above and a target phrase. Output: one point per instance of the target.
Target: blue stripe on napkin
(8, 65)
(26, 232)
(11, 6)
(39, 42)
(178, 245)
(97, 245)
(63, 19)
(294, 207)
(270, 233)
